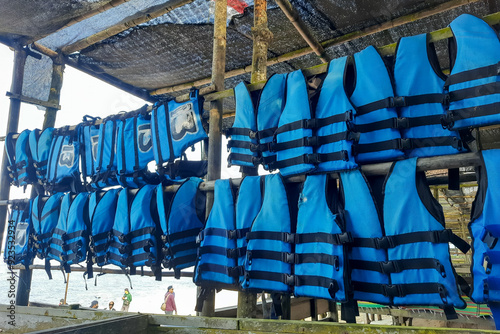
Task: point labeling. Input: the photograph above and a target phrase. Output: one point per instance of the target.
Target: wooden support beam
(294, 17)
(12, 126)
(214, 135)
(32, 101)
(439, 34)
(150, 14)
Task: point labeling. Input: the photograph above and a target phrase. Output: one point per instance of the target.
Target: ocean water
(147, 293)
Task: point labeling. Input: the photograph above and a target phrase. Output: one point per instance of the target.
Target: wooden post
(214, 135)
(12, 126)
(25, 276)
(66, 291)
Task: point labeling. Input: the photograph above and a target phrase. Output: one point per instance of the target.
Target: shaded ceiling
(176, 47)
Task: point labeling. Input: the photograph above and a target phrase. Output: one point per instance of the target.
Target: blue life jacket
(20, 163)
(269, 241)
(119, 249)
(18, 245)
(419, 82)
(10, 153)
(40, 142)
(70, 238)
(271, 103)
(89, 138)
(243, 143)
(334, 112)
(215, 266)
(320, 267)
(485, 232)
(418, 259)
(247, 208)
(292, 136)
(44, 217)
(473, 83)
(362, 222)
(143, 231)
(175, 127)
(106, 168)
(375, 104)
(63, 170)
(182, 217)
(102, 208)
(134, 151)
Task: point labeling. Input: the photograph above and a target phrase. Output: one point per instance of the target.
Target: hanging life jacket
(269, 109)
(119, 250)
(44, 217)
(18, 245)
(63, 170)
(70, 239)
(334, 114)
(106, 168)
(215, 267)
(247, 208)
(473, 84)
(89, 138)
(175, 127)
(40, 142)
(375, 104)
(102, 208)
(243, 146)
(142, 238)
(418, 259)
(134, 151)
(294, 151)
(320, 265)
(485, 232)
(20, 166)
(182, 217)
(269, 242)
(419, 83)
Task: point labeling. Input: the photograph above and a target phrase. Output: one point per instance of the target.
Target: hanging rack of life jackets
(116, 150)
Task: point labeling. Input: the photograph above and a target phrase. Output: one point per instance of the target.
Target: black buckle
(389, 267)
(402, 123)
(232, 253)
(289, 280)
(252, 134)
(164, 238)
(199, 237)
(345, 155)
(310, 123)
(406, 144)
(165, 251)
(256, 161)
(254, 148)
(344, 238)
(122, 238)
(249, 257)
(333, 288)
(397, 101)
(392, 290)
(490, 240)
(289, 238)
(312, 158)
(231, 234)
(288, 258)
(384, 242)
(311, 141)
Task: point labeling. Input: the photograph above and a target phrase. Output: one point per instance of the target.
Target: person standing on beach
(170, 306)
(111, 306)
(127, 298)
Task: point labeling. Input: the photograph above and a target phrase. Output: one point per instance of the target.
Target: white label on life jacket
(67, 156)
(21, 232)
(144, 140)
(182, 121)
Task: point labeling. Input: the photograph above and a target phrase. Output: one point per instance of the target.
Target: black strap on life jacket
(474, 74)
(397, 266)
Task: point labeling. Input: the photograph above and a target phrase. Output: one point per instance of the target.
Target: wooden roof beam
(116, 29)
(294, 17)
(335, 41)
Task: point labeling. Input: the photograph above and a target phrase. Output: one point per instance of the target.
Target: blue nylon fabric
(478, 46)
(486, 203)
(106, 167)
(314, 208)
(89, 139)
(178, 214)
(373, 84)
(40, 142)
(271, 103)
(44, 217)
(19, 220)
(24, 163)
(64, 162)
(247, 208)
(362, 221)
(121, 227)
(142, 217)
(401, 197)
(414, 75)
(244, 118)
(222, 216)
(102, 208)
(334, 101)
(274, 216)
(296, 108)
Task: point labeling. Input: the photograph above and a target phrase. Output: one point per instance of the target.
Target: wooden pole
(12, 126)
(66, 291)
(214, 135)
